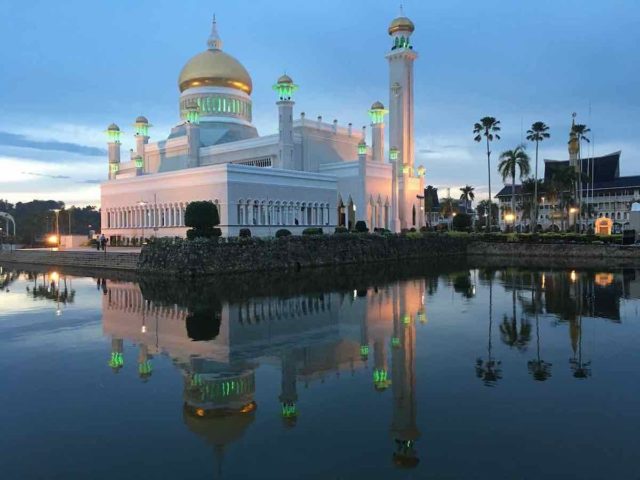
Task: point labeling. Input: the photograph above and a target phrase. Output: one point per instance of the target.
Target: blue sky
(70, 68)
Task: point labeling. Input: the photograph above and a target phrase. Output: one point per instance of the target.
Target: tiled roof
(605, 168)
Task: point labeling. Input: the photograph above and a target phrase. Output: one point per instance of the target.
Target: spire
(214, 42)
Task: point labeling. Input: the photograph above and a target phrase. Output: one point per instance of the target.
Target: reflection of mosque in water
(310, 336)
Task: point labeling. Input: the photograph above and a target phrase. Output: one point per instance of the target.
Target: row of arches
(276, 212)
(161, 215)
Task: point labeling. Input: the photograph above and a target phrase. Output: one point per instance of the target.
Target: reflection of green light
(395, 342)
(362, 148)
(406, 319)
(139, 162)
(422, 317)
(364, 350)
(145, 368)
(289, 410)
(117, 360)
(381, 378)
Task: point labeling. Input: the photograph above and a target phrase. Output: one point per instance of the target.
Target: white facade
(311, 173)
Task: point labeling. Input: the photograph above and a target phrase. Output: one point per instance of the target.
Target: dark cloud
(16, 140)
(92, 182)
(443, 147)
(64, 177)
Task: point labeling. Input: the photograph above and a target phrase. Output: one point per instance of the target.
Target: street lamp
(57, 235)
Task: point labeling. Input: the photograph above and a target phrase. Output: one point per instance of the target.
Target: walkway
(117, 258)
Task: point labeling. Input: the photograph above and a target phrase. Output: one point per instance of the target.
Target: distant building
(608, 196)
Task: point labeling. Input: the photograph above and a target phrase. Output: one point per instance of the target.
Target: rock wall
(203, 257)
(614, 253)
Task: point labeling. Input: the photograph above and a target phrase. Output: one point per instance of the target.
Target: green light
(114, 167)
(406, 170)
(117, 360)
(114, 136)
(139, 162)
(192, 114)
(362, 148)
(364, 350)
(377, 115)
(289, 410)
(421, 171)
(395, 342)
(142, 129)
(406, 319)
(285, 90)
(393, 154)
(145, 368)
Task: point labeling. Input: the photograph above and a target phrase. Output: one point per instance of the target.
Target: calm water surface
(440, 372)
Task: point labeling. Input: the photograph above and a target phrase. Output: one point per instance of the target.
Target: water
(416, 371)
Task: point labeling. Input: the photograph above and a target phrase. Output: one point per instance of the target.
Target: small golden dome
(214, 68)
(285, 79)
(401, 24)
(142, 119)
(113, 128)
(377, 106)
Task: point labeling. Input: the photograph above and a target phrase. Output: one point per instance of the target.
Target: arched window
(240, 213)
(256, 212)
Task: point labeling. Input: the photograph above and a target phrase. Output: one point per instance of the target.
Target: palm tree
(538, 132)
(467, 196)
(487, 127)
(429, 194)
(559, 188)
(510, 162)
(447, 207)
(530, 189)
(579, 132)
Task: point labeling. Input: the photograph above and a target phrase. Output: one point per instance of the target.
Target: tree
(530, 189)
(447, 207)
(559, 188)
(510, 162)
(487, 127)
(579, 132)
(202, 217)
(537, 133)
(467, 196)
(483, 208)
(461, 222)
(430, 196)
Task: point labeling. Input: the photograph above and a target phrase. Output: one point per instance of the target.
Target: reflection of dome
(218, 427)
(214, 68)
(401, 24)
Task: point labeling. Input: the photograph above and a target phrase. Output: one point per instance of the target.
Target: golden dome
(401, 24)
(214, 68)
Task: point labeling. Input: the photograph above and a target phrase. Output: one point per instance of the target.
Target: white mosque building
(311, 173)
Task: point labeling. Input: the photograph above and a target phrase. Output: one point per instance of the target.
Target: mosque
(311, 173)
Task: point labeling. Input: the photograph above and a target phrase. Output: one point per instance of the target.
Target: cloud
(23, 141)
(46, 175)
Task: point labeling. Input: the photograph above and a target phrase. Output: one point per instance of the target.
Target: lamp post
(143, 204)
(57, 241)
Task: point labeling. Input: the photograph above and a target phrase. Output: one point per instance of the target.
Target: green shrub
(312, 231)
(340, 230)
(414, 234)
(461, 222)
(202, 217)
(245, 233)
(361, 226)
(283, 232)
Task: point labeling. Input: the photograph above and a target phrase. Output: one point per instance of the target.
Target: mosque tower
(285, 89)
(401, 115)
(113, 134)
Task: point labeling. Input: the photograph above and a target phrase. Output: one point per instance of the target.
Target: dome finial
(214, 42)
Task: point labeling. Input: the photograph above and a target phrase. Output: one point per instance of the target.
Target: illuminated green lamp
(377, 113)
(285, 88)
(192, 114)
(289, 410)
(116, 361)
(381, 379)
(113, 133)
(395, 342)
(364, 351)
(406, 170)
(142, 126)
(145, 369)
(406, 319)
(362, 148)
(139, 161)
(114, 167)
(421, 171)
(393, 154)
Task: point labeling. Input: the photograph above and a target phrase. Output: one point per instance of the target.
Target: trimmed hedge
(340, 230)
(312, 231)
(546, 238)
(245, 233)
(361, 226)
(283, 232)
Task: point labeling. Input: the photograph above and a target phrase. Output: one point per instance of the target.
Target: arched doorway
(342, 217)
(603, 226)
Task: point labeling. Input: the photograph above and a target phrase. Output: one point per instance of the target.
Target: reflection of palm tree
(509, 330)
(540, 369)
(489, 371)
(580, 369)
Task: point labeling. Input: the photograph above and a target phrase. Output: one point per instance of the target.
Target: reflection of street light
(573, 276)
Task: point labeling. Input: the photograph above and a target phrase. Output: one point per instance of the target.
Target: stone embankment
(89, 259)
(185, 258)
(568, 251)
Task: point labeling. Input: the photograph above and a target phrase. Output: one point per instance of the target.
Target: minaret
(285, 89)
(377, 114)
(142, 134)
(288, 392)
(401, 58)
(192, 125)
(574, 145)
(113, 134)
(362, 146)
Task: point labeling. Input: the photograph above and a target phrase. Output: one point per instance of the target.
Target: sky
(68, 69)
